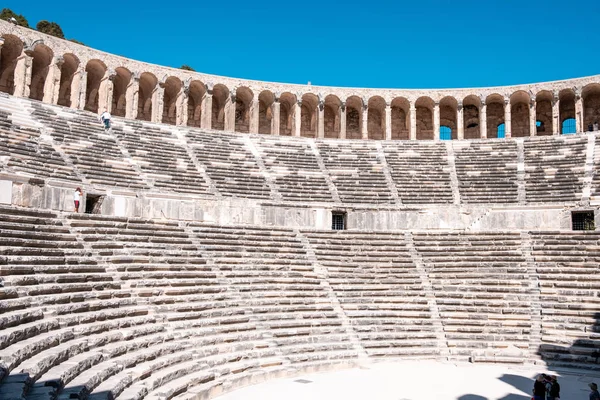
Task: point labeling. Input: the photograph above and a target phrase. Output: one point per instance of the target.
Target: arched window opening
(500, 131)
(445, 133)
(568, 126)
(540, 127)
(473, 125)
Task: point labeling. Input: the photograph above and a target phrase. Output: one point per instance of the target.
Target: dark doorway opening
(93, 204)
(583, 221)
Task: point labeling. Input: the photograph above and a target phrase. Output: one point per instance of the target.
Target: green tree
(51, 28)
(187, 68)
(7, 13)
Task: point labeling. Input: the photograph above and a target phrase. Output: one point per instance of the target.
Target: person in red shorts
(77, 198)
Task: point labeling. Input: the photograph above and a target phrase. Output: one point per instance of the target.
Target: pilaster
(555, 114)
(579, 111)
(297, 117)
(254, 115)
(483, 121)
(507, 124)
(413, 122)
(321, 120)
(158, 103)
(532, 117)
(132, 97)
(343, 120)
(229, 111)
(365, 121)
(388, 121)
(436, 120)
(460, 121)
(182, 106)
(206, 117)
(23, 75)
(276, 120)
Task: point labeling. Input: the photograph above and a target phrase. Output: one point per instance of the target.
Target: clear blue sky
(396, 44)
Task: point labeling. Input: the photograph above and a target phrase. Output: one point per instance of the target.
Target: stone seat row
(155, 157)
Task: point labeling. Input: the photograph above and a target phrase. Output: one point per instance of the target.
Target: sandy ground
(417, 380)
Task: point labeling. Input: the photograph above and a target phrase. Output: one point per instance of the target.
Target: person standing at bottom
(594, 395)
(539, 388)
(77, 198)
(554, 392)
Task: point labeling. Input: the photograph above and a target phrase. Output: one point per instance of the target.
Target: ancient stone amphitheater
(206, 258)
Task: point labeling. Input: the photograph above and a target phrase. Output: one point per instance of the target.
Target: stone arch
(331, 114)
(120, 81)
(67, 71)
(591, 105)
(566, 107)
(243, 103)
(96, 70)
(354, 106)
(471, 117)
(495, 114)
(42, 57)
(424, 108)
(220, 95)
(172, 86)
(400, 120)
(287, 102)
(309, 115)
(148, 83)
(543, 113)
(196, 94)
(448, 109)
(376, 118)
(266, 98)
(519, 114)
(9, 55)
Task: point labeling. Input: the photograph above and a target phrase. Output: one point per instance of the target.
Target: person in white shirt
(77, 198)
(105, 118)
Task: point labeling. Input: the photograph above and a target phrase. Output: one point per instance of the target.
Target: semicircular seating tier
(69, 148)
(96, 307)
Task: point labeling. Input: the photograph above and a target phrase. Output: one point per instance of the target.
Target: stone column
(483, 121)
(460, 121)
(132, 97)
(254, 115)
(206, 113)
(555, 114)
(365, 121)
(22, 75)
(182, 106)
(532, 117)
(82, 91)
(276, 120)
(579, 120)
(158, 100)
(413, 121)
(343, 121)
(52, 84)
(229, 112)
(297, 118)
(507, 124)
(321, 120)
(436, 120)
(105, 92)
(388, 121)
